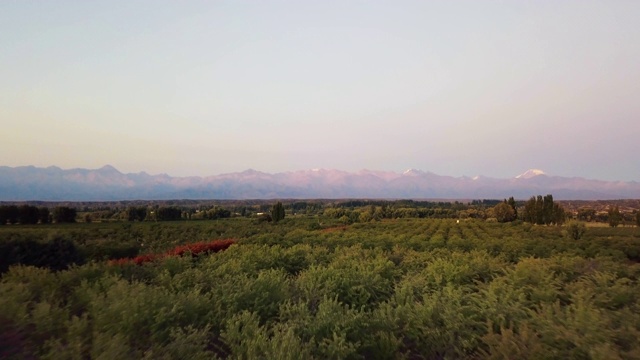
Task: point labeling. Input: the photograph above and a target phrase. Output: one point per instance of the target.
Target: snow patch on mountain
(530, 173)
(413, 172)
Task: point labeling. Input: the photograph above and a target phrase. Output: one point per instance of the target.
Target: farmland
(315, 286)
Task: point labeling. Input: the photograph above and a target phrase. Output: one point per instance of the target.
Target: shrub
(576, 229)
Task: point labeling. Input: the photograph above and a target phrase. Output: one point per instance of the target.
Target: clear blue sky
(209, 87)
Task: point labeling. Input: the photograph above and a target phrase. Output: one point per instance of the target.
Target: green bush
(576, 229)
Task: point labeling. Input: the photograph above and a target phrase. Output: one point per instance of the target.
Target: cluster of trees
(64, 214)
(168, 213)
(416, 204)
(613, 216)
(136, 213)
(214, 213)
(28, 214)
(586, 214)
(23, 214)
(506, 211)
(537, 210)
(386, 211)
(173, 213)
(543, 211)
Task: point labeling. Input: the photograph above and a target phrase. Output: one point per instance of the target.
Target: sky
(209, 87)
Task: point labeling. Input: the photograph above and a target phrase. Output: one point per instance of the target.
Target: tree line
(29, 214)
(542, 210)
(174, 213)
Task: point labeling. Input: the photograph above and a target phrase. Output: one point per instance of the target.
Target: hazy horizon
(197, 88)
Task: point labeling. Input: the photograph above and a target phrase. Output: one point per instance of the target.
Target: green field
(312, 287)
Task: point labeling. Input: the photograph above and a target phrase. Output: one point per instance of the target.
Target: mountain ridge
(29, 183)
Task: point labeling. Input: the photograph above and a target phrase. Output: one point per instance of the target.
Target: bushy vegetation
(576, 229)
(323, 288)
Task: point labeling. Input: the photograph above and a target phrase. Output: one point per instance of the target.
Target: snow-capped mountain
(107, 183)
(530, 173)
(413, 172)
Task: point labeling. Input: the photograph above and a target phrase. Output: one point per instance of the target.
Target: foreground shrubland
(416, 289)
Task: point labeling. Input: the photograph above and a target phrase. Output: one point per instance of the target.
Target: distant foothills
(29, 183)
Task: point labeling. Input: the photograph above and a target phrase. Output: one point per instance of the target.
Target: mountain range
(29, 183)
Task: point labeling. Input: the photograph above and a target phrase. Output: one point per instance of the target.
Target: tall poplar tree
(512, 203)
(277, 212)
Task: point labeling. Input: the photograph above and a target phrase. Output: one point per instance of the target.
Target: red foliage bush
(193, 249)
(141, 259)
(201, 247)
